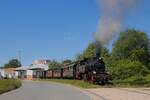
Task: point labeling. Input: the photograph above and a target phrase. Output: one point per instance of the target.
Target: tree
(132, 44)
(149, 53)
(67, 61)
(90, 52)
(54, 65)
(126, 68)
(14, 63)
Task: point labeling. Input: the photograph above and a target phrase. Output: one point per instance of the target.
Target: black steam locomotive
(91, 70)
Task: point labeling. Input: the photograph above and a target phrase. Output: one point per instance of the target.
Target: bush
(123, 69)
(132, 44)
(134, 81)
(7, 85)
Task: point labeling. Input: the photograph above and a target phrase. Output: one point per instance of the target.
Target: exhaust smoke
(111, 21)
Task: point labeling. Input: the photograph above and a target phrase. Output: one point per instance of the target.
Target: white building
(21, 72)
(2, 73)
(41, 62)
(32, 71)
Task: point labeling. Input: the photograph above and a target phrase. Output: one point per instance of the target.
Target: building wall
(24, 74)
(21, 74)
(29, 75)
(2, 74)
(42, 62)
(16, 74)
(38, 73)
(9, 72)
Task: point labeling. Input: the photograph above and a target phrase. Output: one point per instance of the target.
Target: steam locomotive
(90, 70)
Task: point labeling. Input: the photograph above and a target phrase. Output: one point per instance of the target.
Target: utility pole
(19, 55)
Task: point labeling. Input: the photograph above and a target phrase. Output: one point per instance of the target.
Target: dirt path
(120, 93)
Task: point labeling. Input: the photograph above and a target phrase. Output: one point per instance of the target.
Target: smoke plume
(111, 21)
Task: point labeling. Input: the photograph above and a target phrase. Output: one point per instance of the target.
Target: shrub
(131, 81)
(123, 69)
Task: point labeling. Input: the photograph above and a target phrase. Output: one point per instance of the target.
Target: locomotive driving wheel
(85, 78)
(92, 79)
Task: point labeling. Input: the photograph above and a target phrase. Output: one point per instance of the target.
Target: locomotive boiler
(91, 70)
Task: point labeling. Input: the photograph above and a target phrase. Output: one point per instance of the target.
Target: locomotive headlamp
(100, 58)
(94, 72)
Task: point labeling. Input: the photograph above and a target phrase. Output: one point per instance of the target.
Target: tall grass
(8, 85)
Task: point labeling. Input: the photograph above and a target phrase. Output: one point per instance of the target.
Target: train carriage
(68, 71)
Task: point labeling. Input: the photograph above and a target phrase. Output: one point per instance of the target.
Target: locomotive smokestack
(98, 48)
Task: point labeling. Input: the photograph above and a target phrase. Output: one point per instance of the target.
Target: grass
(77, 83)
(8, 85)
(133, 82)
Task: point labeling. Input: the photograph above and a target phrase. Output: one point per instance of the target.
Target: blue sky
(54, 29)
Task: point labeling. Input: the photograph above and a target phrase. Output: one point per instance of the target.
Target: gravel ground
(44, 91)
(120, 93)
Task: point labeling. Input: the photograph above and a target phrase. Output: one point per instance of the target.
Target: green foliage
(132, 44)
(90, 52)
(54, 65)
(125, 68)
(67, 61)
(106, 57)
(14, 63)
(7, 85)
(129, 61)
(134, 81)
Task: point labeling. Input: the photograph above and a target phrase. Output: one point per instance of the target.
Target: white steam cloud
(111, 21)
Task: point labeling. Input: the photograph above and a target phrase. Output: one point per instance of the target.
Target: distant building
(20, 73)
(39, 71)
(9, 72)
(36, 70)
(2, 74)
(42, 62)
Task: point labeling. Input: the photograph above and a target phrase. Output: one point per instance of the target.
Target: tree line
(129, 58)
